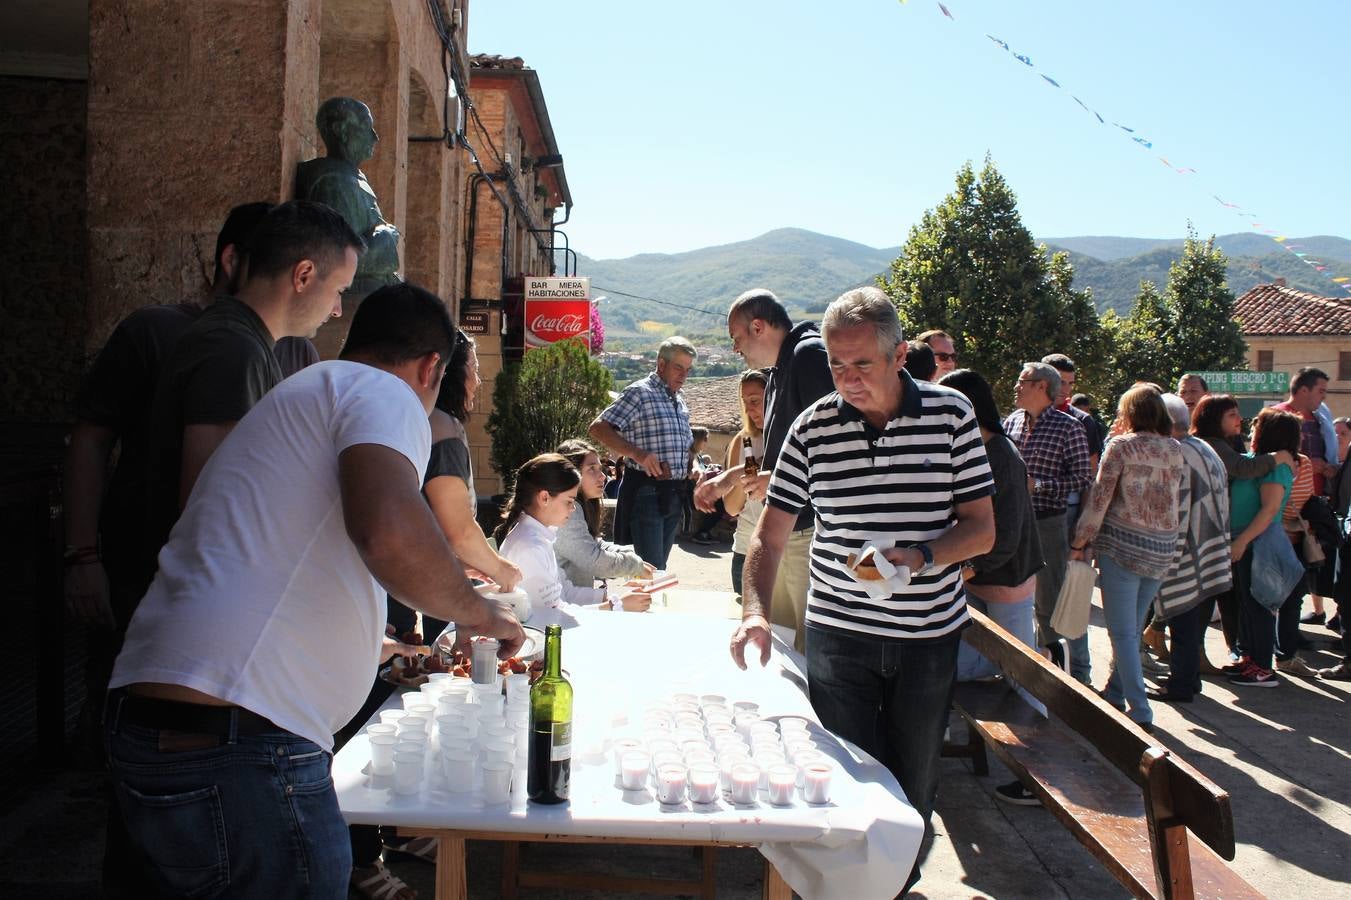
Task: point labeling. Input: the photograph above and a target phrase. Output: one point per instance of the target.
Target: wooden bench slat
(1104, 812)
(1196, 799)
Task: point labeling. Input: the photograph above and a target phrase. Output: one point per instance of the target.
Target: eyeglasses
(946, 357)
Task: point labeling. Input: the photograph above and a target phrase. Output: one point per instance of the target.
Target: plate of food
(441, 656)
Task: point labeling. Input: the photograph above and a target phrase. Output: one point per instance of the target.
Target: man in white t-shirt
(259, 636)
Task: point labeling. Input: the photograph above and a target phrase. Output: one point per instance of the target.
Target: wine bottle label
(562, 742)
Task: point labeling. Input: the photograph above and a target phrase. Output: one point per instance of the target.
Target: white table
(862, 844)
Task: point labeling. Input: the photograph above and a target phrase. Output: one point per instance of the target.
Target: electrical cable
(721, 314)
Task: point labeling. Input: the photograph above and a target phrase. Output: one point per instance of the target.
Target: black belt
(189, 718)
(1047, 513)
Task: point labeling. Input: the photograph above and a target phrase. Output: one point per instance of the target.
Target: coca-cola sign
(548, 321)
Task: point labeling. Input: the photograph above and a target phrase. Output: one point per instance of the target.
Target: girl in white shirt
(544, 497)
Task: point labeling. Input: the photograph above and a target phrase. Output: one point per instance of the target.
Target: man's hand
(498, 622)
(1080, 554)
(650, 462)
(87, 600)
(755, 486)
(649, 571)
(910, 557)
(709, 491)
(1328, 469)
(755, 630)
(390, 648)
(508, 575)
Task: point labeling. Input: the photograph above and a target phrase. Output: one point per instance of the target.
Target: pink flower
(597, 330)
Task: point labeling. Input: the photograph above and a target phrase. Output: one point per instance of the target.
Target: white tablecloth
(862, 844)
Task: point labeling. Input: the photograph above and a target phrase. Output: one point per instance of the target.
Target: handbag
(1310, 549)
(1275, 567)
(1075, 601)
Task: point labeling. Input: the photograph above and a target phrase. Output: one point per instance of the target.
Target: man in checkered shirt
(649, 425)
(1055, 448)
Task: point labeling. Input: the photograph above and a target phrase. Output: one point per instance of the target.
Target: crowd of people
(275, 523)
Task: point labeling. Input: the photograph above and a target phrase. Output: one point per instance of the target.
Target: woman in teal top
(1253, 505)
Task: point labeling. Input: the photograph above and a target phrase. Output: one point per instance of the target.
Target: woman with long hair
(736, 503)
(1217, 421)
(542, 500)
(582, 553)
(1135, 517)
(1255, 503)
(449, 482)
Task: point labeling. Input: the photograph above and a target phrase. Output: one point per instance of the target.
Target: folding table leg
(775, 887)
(450, 873)
(511, 868)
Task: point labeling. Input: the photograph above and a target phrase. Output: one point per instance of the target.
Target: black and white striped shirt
(903, 482)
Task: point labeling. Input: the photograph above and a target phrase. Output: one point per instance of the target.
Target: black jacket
(1016, 554)
(800, 377)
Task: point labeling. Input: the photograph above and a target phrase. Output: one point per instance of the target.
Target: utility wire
(721, 314)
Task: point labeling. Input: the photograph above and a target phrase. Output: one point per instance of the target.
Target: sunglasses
(946, 357)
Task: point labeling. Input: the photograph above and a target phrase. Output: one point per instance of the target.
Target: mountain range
(661, 293)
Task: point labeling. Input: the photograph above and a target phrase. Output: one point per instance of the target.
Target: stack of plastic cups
(382, 752)
(516, 713)
(392, 716)
(408, 771)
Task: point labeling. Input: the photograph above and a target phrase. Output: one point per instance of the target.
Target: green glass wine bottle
(550, 765)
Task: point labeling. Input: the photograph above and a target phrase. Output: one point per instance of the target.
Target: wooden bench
(1132, 803)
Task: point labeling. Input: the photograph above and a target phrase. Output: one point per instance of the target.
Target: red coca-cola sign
(549, 321)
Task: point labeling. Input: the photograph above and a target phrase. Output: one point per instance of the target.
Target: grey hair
(1046, 372)
(673, 345)
(1178, 412)
(866, 306)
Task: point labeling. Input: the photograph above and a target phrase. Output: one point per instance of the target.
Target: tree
(1190, 326)
(551, 395)
(971, 268)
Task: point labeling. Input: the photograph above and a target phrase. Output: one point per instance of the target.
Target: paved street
(1282, 754)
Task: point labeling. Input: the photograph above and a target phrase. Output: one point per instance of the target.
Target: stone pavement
(1282, 754)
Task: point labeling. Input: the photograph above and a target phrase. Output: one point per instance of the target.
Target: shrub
(553, 394)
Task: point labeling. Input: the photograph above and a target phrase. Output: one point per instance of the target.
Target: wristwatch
(1036, 485)
(928, 555)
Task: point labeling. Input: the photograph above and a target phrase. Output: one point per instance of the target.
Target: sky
(691, 124)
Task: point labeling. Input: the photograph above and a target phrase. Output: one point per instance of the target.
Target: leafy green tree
(1190, 326)
(971, 268)
(551, 395)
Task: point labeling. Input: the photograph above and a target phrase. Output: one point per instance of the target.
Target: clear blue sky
(684, 125)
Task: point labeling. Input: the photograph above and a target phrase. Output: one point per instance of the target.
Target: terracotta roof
(495, 61)
(714, 403)
(1271, 309)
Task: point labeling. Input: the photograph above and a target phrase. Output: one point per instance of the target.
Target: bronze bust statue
(348, 131)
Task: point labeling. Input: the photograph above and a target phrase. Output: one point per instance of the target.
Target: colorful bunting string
(1316, 265)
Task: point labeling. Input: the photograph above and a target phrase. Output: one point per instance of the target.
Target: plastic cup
(634, 769)
(412, 698)
(765, 759)
(725, 764)
(456, 745)
(666, 758)
(407, 773)
(518, 687)
(745, 782)
(619, 748)
(695, 757)
(483, 652)
(703, 782)
(499, 751)
(804, 758)
(816, 783)
(671, 784)
(745, 706)
(793, 723)
(414, 735)
(440, 678)
(782, 784)
(392, 716)
(382, 753)
(413, 722)
(496, 781)
(459, 769)
(381, 728)
(708, 700)
(677, 699)
(763, 728)
(744, 721)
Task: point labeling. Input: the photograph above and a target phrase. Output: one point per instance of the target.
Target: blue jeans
(252, 817)
(654, 518)
(1015, 618)
(1126, 597)
(890, 697)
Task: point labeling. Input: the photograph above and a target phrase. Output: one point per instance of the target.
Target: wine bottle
(550, 764)
(751, 467)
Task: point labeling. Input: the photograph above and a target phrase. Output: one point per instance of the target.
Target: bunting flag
(1280, 240)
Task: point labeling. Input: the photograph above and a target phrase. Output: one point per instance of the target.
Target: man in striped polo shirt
(900, 464)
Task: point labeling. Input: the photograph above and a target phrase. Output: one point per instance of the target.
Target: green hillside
(690, 291)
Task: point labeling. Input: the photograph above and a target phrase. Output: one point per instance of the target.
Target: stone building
(1286, 329)
(508, 219)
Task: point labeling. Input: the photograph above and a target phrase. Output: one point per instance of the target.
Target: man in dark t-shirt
(301, 257)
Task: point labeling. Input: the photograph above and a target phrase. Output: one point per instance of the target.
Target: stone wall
(42, 229)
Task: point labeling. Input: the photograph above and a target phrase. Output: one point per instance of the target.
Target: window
(1344, 366)
(1264, 360)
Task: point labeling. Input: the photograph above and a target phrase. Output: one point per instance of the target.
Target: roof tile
(1271, 309)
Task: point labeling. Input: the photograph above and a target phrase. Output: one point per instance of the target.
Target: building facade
(1288, 329)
